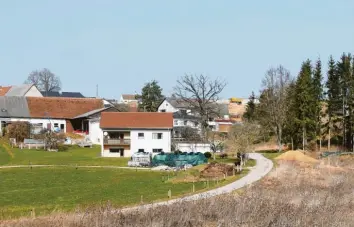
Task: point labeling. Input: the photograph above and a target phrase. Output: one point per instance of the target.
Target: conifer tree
(333, 96)
(250, 108)
(305, 102)
(318, 98)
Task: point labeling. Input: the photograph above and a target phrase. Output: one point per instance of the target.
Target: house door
(121, 151)
(121, 136)
(49, 126)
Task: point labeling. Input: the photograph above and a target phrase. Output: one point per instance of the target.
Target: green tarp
(179, 159)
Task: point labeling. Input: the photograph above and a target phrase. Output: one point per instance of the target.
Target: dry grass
(292, 195)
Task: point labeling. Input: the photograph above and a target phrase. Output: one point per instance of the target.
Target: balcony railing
(116, 141)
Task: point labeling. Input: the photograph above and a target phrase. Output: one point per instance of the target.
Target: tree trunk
(279, 139)
(303, 138)
(292, 143)
(329, 139)
(320, 144)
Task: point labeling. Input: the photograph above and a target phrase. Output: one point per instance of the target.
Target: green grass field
(75, 155)
(49, 189)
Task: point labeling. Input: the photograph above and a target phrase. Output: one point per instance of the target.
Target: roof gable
(61, 108)
(19, 90)
(133, 120)
(4, 90)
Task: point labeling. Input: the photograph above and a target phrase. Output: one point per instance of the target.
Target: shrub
(268, 151)
(62, 147)
(19, 130)
(207, 155)
(223, 155)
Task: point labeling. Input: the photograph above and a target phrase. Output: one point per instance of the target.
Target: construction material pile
(297, 156)
(217, 170)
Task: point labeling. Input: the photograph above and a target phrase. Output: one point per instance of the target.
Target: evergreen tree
(151, 96)
(318, 97)
(334, 100)
(344, 70)
(250, 113)
(305, 101)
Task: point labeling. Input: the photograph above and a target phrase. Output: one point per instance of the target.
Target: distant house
(63, 114)
(24, 90)
(62, 94)
(128, 98)
(172, 105)
(126, 133)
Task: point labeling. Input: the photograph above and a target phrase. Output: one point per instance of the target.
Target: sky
(121, 45)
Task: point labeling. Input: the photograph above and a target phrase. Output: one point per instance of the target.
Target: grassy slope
(79, 156)
(47, 189)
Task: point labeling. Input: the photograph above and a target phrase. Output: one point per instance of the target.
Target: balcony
(116, 141)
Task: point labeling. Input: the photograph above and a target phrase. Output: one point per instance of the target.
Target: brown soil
(217, 170)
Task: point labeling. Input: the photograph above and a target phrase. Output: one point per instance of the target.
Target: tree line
(307, 111)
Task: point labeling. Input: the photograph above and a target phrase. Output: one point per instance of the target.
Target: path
(262, 168)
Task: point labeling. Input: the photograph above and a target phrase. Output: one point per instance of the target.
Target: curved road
(262, 168)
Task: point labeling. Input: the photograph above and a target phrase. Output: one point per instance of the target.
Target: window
(62, 127)
(140, 135)
(141, 150)
(183, 111)
(157, 136)
(163, 111)
(156, 150)
(56, 125)
(175, 122)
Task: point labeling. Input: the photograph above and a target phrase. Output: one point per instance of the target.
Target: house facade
(56, 114)
(128, 98)
(123, 134)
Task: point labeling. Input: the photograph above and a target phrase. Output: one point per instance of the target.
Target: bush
(62, 147)
(223, 155)
(207, 155)
(19, 130)
(178, 152)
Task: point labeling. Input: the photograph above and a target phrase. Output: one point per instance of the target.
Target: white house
(63, 114)
(128, 98)
(125, 133)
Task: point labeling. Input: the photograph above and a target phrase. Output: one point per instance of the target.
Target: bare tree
(200, 93)
(45, 80)
(243, 137)
(273, 100)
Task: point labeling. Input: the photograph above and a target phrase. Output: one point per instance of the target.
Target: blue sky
(120, 45)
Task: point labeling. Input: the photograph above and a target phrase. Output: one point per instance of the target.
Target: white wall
(33, 92)
(193, 147)
(95, 131)
(166, 106)
(38, 121)
(148, 143)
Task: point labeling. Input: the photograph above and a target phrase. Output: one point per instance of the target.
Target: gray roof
(19, 90)
(177, 103)
(92, 112)
(180, 115)
(14, 107)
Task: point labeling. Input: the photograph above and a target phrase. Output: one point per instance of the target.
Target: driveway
(262, 168)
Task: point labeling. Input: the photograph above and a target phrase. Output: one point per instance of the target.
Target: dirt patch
(297, 156)
(217, 170)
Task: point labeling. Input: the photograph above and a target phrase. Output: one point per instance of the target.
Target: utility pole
(96, 90)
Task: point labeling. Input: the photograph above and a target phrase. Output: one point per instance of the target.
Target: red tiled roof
(63, 108)
(136, 120)
(4, 90)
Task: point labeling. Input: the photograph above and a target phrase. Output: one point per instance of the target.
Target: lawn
(74, 156)
(65, 188)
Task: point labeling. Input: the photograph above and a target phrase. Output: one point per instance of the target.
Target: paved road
(262, 168)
